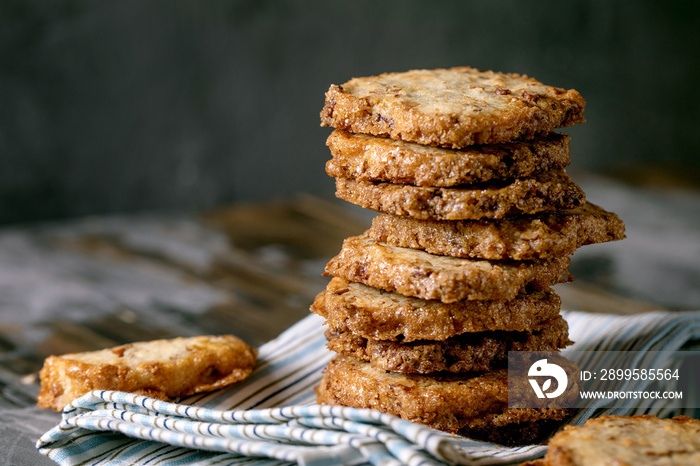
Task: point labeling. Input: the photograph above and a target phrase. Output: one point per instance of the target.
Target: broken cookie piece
(163, 369)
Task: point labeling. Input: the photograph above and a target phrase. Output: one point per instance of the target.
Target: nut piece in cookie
(453, 107)
(164, 369)
(370, 158)
(625, 440)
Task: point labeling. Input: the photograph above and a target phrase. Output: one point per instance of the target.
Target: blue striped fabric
(272, 419)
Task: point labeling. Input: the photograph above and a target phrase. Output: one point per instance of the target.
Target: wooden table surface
(250, 270)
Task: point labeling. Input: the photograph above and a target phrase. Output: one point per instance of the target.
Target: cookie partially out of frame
(467, 352)
(625, 440)
(368, 158)
(539, 236)
(164, 369)
(455, 107)
(416, 273)
(548, 191)
(382, 315)
(474, 405)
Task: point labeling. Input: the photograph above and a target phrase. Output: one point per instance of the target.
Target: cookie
(473, 405)
(626, 440)
(368, 158)
(539, 236)
(467, 352)
(549, 191)
(412, 272)
(455, 107)
(381, 315)
(164, 369)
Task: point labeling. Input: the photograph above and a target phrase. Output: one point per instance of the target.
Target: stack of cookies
(477, 220)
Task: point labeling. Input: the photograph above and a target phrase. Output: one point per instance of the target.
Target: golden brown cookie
(467, 352)
(453, 107)
(164, 369)
(474, 405)
(382, 315)
(626, 440)
(539, 236)
(412, 272)
(369, 158)
(548, 191)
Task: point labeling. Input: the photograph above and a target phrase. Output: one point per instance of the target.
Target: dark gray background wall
(120, 106)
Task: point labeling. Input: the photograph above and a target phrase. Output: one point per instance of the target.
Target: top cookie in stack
(478, 218)
(455, 107)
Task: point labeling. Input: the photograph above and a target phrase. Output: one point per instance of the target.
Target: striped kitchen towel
(272, 418)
